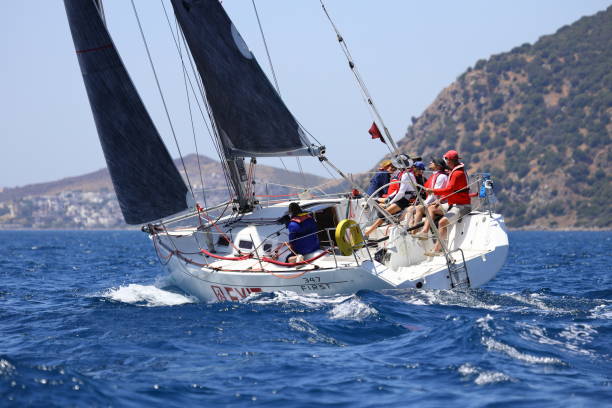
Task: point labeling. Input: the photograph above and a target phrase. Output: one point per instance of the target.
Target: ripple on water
(482, 377)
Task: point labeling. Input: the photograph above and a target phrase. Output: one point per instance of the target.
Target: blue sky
(407, 51)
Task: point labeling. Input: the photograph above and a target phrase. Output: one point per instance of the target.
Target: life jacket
(304, 239)
(435, 178)
(395, 184)
(460, 167)
(301, 217)
(431, 181)
(462, 195)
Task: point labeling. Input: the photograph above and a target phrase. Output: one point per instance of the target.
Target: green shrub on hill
(538, 112)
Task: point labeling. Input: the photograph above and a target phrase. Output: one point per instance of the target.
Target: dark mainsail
(147, 184)
(251, 118)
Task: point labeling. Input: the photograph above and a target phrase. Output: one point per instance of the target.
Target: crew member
(403, 197)
(417, 170)
(303, 239)
(457, 194)
(437, 180)
(381, 178)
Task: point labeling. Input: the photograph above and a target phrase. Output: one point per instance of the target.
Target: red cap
(452, 155)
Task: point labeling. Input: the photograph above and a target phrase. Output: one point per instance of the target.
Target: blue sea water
(86, 319)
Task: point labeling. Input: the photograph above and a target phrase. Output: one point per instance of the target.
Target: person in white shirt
(403, 197)
(438, 179)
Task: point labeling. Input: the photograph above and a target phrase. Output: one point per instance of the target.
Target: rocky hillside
(88, 201)
(539, 118)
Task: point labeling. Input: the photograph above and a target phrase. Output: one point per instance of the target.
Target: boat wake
(342, 307)
(311, 301)
(471, 299)
(146, 295)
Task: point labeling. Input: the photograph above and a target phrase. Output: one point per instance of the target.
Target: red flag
(375, 132)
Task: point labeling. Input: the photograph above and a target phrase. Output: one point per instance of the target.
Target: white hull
(481, 237)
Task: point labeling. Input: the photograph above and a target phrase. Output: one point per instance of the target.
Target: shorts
(402, 203)
(456, 211)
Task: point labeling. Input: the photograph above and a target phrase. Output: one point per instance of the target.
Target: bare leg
(392, 209)
(295, 258)
(410, 214)
(433, 211)
(372, 227)
(443, 229)
(418, 216)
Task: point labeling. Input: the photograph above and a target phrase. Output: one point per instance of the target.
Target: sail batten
(147, 184)
(251, 118)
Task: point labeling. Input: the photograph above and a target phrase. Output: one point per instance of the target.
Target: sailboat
(232, 255)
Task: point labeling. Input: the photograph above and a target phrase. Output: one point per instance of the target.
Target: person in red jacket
(457, 196)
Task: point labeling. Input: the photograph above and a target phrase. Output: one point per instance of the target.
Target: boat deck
(254, 265)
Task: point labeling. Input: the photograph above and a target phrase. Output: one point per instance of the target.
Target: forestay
(147, 184)
(251, 118)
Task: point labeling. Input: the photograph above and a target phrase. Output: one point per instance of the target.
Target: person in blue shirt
(303, 237)
(382, 177)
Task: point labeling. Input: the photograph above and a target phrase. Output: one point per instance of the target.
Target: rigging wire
(364, 89)
(272, 66)
(284, 165)
(263, 37)
(215, 136)
(195, 142)
(212, 133)
(266, 47)
(370, 101)
(161, 94)
(299, 163)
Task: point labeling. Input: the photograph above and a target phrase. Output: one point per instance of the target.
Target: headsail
(251, 118)
(147, 184)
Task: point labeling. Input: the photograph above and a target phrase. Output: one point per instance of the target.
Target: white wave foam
(301, 325)
(483, 377)
(494, 345)
(313, 300)
(490, 377)
(421, 298)
(573, 334)
(6, 368)
(353, 309)
(483, 323)
(445, 298)
(601, 312)
(578, 333)
(467, 369)
(537, 301)
(146, 295)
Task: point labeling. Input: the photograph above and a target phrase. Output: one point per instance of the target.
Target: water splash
(494, 345)
(443, 297)
(601, 312)
(6, 368)
(311, 301)
(352, 309)
(146, 295)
